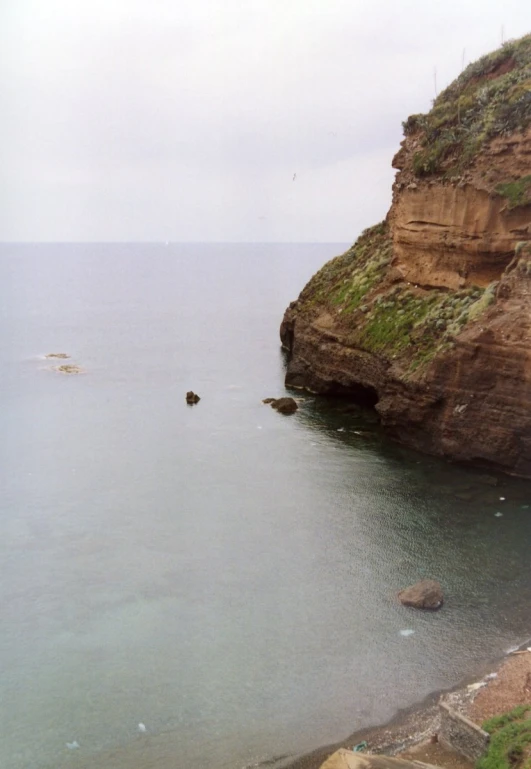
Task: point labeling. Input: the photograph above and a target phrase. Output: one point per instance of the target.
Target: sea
(215, 585)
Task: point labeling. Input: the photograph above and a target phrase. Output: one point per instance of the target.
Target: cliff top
(489, 99)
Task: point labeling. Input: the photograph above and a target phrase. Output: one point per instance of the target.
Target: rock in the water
(268, 400)
(285, 405)
(192, 397)
(426, 594)
(68, 368)
(61, 355)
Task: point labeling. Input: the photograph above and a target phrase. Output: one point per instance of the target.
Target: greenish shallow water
(223, 574)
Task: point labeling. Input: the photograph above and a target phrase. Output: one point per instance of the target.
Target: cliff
(427, 317)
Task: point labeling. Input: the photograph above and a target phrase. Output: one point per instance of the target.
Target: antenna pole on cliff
(463, 59)
(502, 34)
(435, 80)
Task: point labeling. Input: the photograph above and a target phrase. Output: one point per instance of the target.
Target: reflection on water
(222, 574)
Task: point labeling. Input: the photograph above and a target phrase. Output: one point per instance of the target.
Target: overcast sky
(187, 119)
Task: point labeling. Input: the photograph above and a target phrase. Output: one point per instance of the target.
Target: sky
(220, 120)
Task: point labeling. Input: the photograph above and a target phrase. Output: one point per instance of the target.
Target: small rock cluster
(64, 368)
(282, 405)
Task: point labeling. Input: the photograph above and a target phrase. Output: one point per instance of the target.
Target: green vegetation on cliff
(510, 742)
(413, 325)
(345, 280)
(491, 97)
(518, 193)
(375, 310)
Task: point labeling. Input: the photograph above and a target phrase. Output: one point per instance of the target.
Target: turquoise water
(220, 573)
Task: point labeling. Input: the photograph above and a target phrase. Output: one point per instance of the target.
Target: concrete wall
(462, 735)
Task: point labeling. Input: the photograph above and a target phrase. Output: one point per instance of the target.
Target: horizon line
(170, 242)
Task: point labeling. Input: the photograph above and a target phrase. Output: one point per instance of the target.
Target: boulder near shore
(426, 594)
(282, 405)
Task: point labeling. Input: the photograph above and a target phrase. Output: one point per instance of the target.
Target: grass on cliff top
(491, 97)
(510, 742)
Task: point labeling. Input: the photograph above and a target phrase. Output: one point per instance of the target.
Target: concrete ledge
(346, 759)
(461, 734)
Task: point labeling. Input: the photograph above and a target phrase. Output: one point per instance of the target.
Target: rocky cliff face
(458, 230)
(428, 316)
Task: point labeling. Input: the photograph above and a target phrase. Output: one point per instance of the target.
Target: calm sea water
(222, 574)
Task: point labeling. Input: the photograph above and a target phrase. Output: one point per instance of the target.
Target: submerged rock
(68, 368)
(351, 408)
(268, 400)
(426, 594)
(487, 480)
(192, 398)
(61, 355)
(285, 405)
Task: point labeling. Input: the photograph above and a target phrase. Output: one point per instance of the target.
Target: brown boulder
(268, 400)
(285, 405)
(426, 594)
(192, 398)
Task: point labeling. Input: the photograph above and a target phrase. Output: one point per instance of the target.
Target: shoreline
(410, 729)
(413, 725)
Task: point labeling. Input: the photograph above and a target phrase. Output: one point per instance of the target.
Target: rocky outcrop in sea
(427, 317)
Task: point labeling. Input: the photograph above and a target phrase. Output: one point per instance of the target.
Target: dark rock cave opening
(358, 394)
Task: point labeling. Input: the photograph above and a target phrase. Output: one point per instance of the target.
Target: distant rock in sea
(69, 368)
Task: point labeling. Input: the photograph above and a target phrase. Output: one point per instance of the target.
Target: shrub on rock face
(426, 594)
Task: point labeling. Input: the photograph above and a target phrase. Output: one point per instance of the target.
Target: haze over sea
(221, 573)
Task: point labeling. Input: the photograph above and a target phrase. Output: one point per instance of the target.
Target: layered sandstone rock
(428, 316)
(456, 232)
